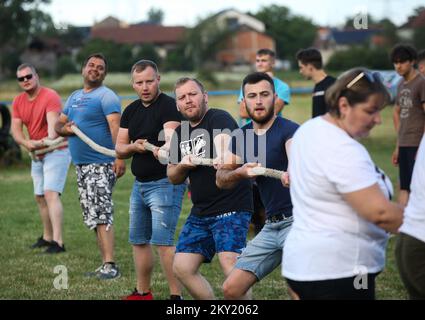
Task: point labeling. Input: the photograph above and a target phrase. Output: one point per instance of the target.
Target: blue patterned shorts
(209, 235)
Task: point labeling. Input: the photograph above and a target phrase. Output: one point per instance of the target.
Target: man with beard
(155, 203)
(268, 135)
(219, 219)
(96, 110)
(408, 115)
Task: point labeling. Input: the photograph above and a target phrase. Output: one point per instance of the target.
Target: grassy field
(27, 274)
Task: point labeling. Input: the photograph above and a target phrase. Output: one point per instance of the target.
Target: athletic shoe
(94, 273)
(40, 243)
(135, 295)
(108, 271)
(55, 248)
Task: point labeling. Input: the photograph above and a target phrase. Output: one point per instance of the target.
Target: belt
(277, 218)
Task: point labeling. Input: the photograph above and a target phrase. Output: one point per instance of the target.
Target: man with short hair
(264, 62)
(311, 67)
(38, 108)
(408, 115)
(219, 219)
(268, 139)
(155, 203)
(96, 111)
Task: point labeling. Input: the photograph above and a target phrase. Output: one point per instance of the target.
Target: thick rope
(266, 172)
(92, 144)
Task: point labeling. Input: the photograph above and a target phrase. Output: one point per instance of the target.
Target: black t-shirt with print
(319, 91)
(147, 123)
(207, 198)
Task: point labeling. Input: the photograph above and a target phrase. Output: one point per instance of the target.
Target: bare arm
(242, 110)
(177, 173)
(278, 105)
(396, 121)
(114, 125)
(63, 126)
(52, 117)
(232, 171)
(21, 139)
(371, 204)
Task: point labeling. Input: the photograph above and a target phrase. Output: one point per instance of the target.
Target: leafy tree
(65, 65)
(360, 57)
(119, 56)
(291, 32)
(148, 51)
(155, 16)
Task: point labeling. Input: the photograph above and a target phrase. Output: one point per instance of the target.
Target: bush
(64, 66)
(377, 58)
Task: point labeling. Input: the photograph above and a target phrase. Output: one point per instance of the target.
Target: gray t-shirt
(410, 98)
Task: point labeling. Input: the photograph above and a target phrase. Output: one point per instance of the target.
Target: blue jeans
(155, 208)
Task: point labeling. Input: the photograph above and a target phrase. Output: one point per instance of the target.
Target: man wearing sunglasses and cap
(38, 108)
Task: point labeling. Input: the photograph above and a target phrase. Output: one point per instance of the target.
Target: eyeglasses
(24, 78)
(371, 77)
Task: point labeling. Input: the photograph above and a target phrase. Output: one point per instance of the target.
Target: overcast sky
(187, 12)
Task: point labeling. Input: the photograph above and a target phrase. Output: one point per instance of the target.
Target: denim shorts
(155, 208)
(49, 174)
(208, 235)
(263, 254)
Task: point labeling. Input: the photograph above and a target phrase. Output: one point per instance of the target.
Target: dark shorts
(410, 258)
(95, 184)
(335, 289)
(406, 162)
(209, 235)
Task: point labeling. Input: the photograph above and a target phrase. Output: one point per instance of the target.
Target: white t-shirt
(414, 214)
(328, 239)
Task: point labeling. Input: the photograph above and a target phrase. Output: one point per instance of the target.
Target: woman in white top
(410, 248)
(341, 214)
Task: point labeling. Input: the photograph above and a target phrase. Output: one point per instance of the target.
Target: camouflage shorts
(95, 184)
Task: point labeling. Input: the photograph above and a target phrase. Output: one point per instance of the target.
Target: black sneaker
(55, 248)
(40, 243)
(94, 273)
(109, 271)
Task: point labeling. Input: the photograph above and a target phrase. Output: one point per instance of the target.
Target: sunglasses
(24, 78)
(372, 77)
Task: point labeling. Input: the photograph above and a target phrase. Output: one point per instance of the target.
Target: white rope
(51, 145)
(92, 144)
(266, 172)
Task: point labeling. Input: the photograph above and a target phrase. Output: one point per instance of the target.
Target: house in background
(331, 40)
(247, 37)
(406, 31)
(163, 38)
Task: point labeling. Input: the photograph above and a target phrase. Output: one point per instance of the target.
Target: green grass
(26, 274)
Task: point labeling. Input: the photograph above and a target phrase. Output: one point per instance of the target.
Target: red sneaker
(136, 295)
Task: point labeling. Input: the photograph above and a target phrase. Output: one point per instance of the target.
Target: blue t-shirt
(271, 154)
(282, 90)
(89, 110)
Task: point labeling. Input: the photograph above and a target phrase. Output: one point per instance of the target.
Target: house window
(232, 23)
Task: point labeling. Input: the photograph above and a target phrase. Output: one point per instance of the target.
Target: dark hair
(421, 56)
(403, 53)
(310, 56)
(184, 80)
(266, 52)
(141, 65)
(256, 77)
(355, 91)
(99, 56)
